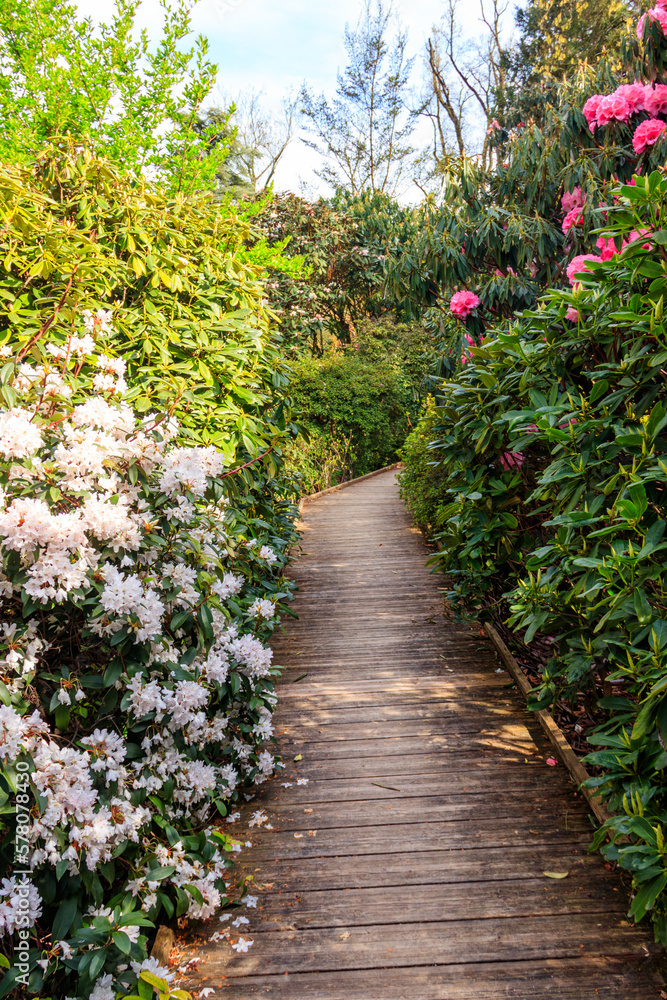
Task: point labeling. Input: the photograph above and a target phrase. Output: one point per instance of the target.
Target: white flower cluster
(112, 535)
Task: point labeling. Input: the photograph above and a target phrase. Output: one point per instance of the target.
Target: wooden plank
(317, 910)
(441, 943)
(414, 867)
(507, 782)
(436, 836)
(434, 763)
(409, 746)
(473, 709)
(580, 978)
(377, 730)
(402, 810)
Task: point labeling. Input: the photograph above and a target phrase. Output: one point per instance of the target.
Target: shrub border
(556, 737)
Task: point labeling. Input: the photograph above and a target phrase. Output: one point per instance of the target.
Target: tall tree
(558, 35)
(139, 104)
(365, 131)
(464, 77)
(262, 137)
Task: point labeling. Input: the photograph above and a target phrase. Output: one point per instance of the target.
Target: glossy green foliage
(499, 232)
(344, 248)
(188, 317)
(551, 444)
(189, 312)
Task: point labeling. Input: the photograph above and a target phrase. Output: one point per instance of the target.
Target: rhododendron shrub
(551, 511)
(551, 447)
(141, 576)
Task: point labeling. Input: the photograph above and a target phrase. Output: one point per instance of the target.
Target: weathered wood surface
(411, 865)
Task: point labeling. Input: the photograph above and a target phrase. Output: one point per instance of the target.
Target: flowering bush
(462, 303)
(141, 578)
(549, 454)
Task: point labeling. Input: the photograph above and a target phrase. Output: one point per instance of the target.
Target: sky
(276, 45)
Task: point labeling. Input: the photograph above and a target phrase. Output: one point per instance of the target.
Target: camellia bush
(144, 529)
(541, 467)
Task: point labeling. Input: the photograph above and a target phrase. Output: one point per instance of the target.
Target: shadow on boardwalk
(411, 864)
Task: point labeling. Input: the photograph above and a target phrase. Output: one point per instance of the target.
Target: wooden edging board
(578, 772)
(349, 482)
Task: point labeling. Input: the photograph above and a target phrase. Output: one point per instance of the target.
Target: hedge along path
(411, 865)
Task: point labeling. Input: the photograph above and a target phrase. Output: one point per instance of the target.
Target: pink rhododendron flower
(637, 234)
(655, 99)
(607, 247)
(591, 110)
(578, 264)
(551, 762)
(573, 218)
(512, 460)
(657, 13)
(615, 107)
(572, 314)
(462, 303)
(647, 134)
(634, 94)
(573, 199)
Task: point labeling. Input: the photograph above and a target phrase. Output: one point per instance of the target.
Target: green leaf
(97, 963)
(122, 942)
(643, 609)
(64, 918)
(153, 980)
(157, 874)
(599, 389)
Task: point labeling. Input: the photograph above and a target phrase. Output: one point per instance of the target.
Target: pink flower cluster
(578, 264)
(627, 100)
(632, 98)
(608, 248)
(462, 303)
(647, 134)
(657, 13)
(573, 199)
(573, 218)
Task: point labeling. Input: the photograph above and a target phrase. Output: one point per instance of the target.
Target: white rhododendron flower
(261, 608)
(20, 437)
(131, 625)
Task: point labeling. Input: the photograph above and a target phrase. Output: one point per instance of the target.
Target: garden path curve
(411, 865)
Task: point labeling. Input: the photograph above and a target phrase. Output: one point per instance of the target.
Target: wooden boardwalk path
(411, 864)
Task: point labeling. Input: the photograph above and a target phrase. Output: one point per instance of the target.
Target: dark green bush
(421, 481)
(366, 394)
